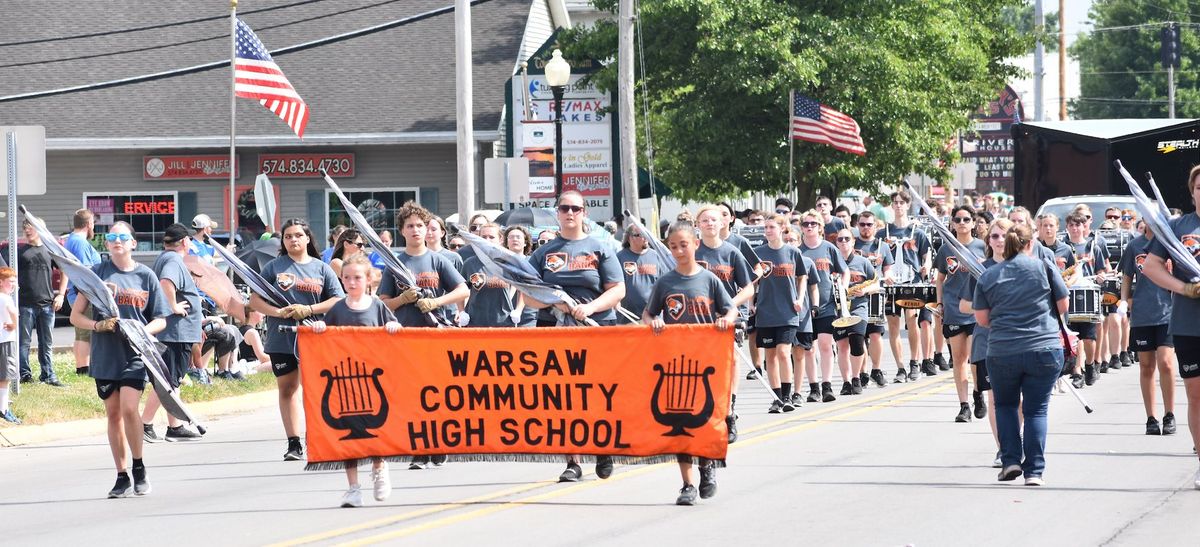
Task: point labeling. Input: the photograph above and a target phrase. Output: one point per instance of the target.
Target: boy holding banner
(690, 294)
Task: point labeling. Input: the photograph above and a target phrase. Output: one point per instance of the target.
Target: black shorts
(859, 328)
(220, 340)
(982, 383)
(283, 364)
(769, 337)
(554, 323)
(178, 358)
(750, 327)
(804, 340)
(1149, 338)
(1187, 351)
(950, 331)
(106, 388)
(1086, 330)
(873, 328)
(823, 325)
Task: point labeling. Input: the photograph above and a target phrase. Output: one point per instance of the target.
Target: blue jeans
(1027, 379)
(43, 318)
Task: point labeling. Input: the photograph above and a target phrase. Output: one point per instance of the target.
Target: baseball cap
(202, 221)
(175, 233)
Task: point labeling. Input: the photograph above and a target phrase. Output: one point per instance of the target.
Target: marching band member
(1064, 261)
(589, 272)
(1014, 300)
(780, 304)
(705, 301)
(300, 275)
(641, 269)
(851, 341)
(1185, 305)
(518, 240)
(119, 373)
(493, 302)
(956, 326)
(832, 224)
(1149, 315)
(879, 255)
(909, 245)
(828, 262)
(1091, 263)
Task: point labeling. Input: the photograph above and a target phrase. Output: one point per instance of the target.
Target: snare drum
(1084, 305)
(912, 296)
(876, 306)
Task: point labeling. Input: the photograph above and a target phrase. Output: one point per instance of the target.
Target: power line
(1130, 101)
(1137, 72)
(151, 27)
(193, 41)
(219, 64)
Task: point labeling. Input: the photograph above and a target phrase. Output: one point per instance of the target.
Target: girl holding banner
(493, 302)
(120, 375)
(688, 295)
(312, 287)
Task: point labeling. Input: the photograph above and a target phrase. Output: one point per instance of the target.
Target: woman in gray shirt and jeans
(1019, 300)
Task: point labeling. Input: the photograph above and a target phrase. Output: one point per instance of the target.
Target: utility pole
(1039, 65)
(625, 109)
(1170, 60)
(1062, 60)
(464, 108)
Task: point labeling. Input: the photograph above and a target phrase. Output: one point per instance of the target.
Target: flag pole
(232, 120)
(792, 146)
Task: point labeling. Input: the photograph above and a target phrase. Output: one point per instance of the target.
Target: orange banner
(515, 394)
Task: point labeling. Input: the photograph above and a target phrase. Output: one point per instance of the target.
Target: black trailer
(1057, 159)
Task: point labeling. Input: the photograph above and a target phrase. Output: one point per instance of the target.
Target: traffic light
(1169, 53)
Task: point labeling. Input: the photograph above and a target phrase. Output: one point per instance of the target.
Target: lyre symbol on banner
(678, 407)
(358, 405)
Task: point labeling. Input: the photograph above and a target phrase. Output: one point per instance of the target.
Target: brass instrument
(1067, 273)
(845, 319)
(935, 308)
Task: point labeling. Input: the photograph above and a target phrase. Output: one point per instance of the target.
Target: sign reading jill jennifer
(525, 394)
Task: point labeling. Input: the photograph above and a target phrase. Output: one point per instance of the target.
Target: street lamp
(558, 74)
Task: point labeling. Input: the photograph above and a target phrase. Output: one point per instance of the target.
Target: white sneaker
(382, 482)
(1060, 386)
(1196, 481)
(996, 463)
(1034, 481)
(352, 497)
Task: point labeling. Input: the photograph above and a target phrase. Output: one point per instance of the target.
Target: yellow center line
(452, 519)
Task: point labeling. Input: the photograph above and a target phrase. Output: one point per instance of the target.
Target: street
(888, 467)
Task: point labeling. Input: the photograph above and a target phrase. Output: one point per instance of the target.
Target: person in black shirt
(38, 299)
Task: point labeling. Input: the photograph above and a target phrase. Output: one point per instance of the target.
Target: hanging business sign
(990, 144)
(186, 167)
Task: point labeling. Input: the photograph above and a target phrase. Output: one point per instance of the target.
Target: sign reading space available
(186, 167)
(306, 166)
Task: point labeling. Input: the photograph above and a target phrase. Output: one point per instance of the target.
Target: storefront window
(377, 206)
(149, 214)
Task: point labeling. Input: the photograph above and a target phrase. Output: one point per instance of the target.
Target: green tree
(1021, 18)
(718, 75)
(1120, 72)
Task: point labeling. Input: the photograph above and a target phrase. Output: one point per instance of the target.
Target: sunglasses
(810, 224)
(962, 220)
(845, 239)
(358, 244)
(996, 236)
(1126, 217)
(454, 246)
(631, 234)
(1112, 217)
(118, 237)
(570, 208)
(866, 224)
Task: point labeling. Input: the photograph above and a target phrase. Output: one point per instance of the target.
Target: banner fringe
(515, 458)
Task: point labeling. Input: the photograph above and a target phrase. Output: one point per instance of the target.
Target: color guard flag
(815, 122)
(256, 76)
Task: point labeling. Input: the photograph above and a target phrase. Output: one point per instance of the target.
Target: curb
(34, 434)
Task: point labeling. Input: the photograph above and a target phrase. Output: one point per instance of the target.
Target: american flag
(256, 76)
(815, 122)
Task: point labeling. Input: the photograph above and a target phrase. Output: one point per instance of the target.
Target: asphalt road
(888, 467)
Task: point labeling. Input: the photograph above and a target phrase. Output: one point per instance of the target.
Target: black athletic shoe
(775, 408)
(1102, 366)
(122, 488)
(1152, 426)
(1077, 380)
(846, 389)
(181, 433)
(1114, 363)
(964, 414)
(731, 425)
(788, 406)
(295, 451)
(928, 368)
(437, 460)
(83, 371)
(864, 379)
(141, 485)
(753, 374)
(980, 407)
(1089, 374)
(1126, 359)
(797, 399)
(571, 474)
(814, 393)
(1168, 426)
(687, 495)
(149, 434)
(708, 481)
(418, 463)
(53, 382)
(604, 466)
(26, 378)
(877, 376)
(827, 393)
(940, 362)
(912, 371)
(901, 377)
(856, 385)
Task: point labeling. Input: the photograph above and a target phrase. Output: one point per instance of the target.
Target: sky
(1076, 21)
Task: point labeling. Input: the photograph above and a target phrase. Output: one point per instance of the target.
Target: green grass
(40, 404)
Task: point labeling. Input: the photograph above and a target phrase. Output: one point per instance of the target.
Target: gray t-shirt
(435, 277)
(309, 283)
(139, 297)
(912, 240)
(730, 267)
(1151, 303)
(875, 251)
(688, 299)
(1091, 256)
(744, 246)
(826, 261)
(180, 328)
(1184, 310)
(377, 314)
(779, 286)
(954, 285)
(492, 299)
(641, 271)
(1018, 293)
(582, 267)
(1064, 257)
(980, 335)
(860, 271)
(805, 293)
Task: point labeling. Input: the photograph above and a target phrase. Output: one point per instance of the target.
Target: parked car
(1061, 207)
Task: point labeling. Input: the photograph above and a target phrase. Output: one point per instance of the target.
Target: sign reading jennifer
(990, 145)
(532, 393)
(186, 167)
